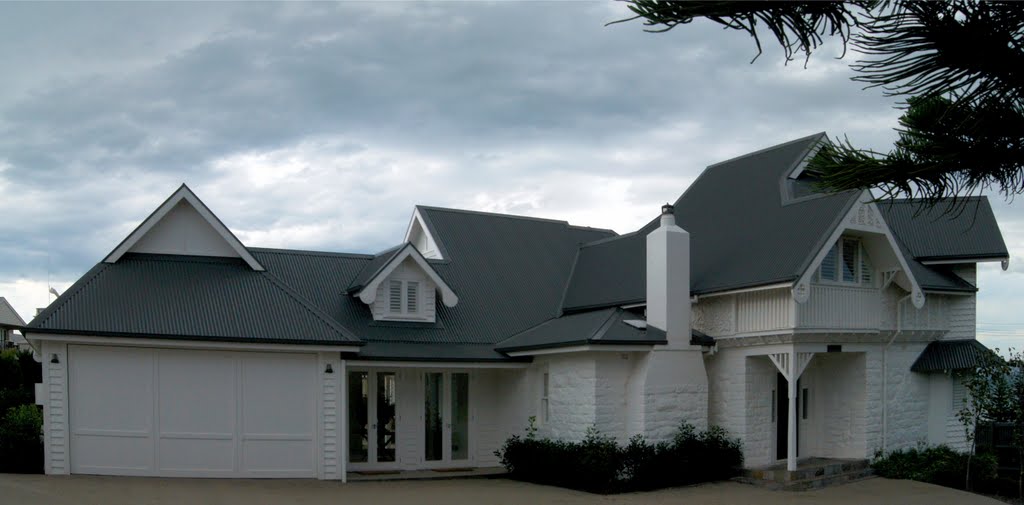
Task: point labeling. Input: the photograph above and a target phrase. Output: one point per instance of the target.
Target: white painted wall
(55, 408)
(184, 231)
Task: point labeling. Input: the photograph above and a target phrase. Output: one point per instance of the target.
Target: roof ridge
(90, 276)
(610, 239)
(494, 214)
(592, 228)
(311, 308)
(306, 252)
(766, 149)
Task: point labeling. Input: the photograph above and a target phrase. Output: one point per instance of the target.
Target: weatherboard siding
(55, 420)
(331, 412)
(407, 271)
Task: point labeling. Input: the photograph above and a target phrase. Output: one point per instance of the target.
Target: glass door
(372, 418)
(446, 418)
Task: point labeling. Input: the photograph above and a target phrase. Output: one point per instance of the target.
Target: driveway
(86, 490)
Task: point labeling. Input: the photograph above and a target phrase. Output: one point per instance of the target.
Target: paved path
(85, 490)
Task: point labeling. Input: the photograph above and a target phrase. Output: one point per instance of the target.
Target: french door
(446, 417)
(372, 418)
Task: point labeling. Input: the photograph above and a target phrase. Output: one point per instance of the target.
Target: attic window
(404, 298)
(846, 263)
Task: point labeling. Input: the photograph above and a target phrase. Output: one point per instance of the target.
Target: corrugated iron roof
(965, 229)
(596, 327)
(379, 261)
(946, 355)
(188, 297)
(741, 232)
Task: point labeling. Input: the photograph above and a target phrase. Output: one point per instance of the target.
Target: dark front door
(782, 417)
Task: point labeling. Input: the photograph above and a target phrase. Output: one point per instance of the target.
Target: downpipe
(885, 375)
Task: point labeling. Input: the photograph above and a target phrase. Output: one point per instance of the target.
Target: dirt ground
(87, 490)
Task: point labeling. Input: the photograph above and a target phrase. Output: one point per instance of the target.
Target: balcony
(834, 307)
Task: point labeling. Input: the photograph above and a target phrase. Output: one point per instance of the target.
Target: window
(403, 298)
(803, 405)
(544, 400)
(846, 262)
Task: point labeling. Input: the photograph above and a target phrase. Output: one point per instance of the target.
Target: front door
(372, 418)
(446, 418)
(782, 418)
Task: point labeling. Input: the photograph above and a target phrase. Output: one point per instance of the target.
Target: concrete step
(812, 476)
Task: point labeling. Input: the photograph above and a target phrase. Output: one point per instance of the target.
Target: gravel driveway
(86, 490)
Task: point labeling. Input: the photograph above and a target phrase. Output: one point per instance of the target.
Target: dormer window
(846, 263)
(404, 298)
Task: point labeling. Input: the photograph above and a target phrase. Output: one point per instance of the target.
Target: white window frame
(545, 401)
(859, 263)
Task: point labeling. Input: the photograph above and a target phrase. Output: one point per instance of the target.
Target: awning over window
(950, 355)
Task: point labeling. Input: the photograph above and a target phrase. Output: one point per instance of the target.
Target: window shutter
(395, 298)
(412, 297)
(828, 265)
(866, 270)
(850, 248)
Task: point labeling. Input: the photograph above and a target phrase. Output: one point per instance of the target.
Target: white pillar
(791, 439)
(343, 421)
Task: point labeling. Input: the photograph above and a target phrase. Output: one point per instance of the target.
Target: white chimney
(668, 279)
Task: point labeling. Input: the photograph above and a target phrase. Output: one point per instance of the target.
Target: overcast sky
(319, 126)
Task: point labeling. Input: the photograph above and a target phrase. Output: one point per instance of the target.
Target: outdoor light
(328, 369)
(54, 359)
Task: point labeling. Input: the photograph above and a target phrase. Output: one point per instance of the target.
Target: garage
(191, 413)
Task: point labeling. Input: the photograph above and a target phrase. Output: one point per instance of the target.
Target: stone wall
(759, 439)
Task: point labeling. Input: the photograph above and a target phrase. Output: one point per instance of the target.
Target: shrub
(21, 444)
(598, 464)
(938, 465)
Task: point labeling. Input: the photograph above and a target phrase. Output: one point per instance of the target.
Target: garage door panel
(111, 390)
(277, 395)
(283, 458)
(197, 394)
(194, 456)
(111, 455)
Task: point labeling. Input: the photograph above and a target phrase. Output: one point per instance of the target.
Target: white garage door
(183, 413)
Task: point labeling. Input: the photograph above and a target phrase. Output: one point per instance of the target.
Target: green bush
(938, 465)
(598, 464)
(21, 443)
(21, 448)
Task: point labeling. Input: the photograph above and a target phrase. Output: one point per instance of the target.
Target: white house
(9, 322)
(807, 325)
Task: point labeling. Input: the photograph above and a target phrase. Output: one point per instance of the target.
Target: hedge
(21, 421)
(600, 465)
(940, 465)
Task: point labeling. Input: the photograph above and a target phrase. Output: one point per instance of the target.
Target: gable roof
(9, 317)
(365, 284)
(743, 232)
(183, 194)
(961, 230)
(189, 298)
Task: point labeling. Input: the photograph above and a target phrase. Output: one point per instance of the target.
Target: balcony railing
(841, 307)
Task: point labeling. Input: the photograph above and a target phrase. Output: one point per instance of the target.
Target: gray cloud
(320, 125)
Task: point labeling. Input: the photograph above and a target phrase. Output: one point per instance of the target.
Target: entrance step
(811, 473)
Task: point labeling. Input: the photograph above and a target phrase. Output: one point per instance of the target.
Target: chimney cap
(668, 208)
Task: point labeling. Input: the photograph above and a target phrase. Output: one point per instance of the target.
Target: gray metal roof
(598, 327)
(946, 355)
(743, 232)
(965, 229)
(509, 272)
(373, 267)
(9, 317)
(188, 297)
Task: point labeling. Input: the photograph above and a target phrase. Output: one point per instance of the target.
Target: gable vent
(412, 294)
(395, 298)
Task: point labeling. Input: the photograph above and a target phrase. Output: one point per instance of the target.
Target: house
(807, 325)
(9, 321)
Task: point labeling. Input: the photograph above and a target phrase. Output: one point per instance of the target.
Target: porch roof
(945, 355)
